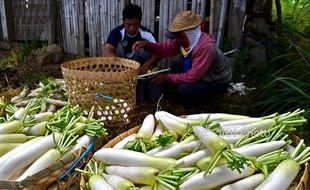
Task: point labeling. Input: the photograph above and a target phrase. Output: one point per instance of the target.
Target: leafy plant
(296, 16)
(32, 78)
(20, 54)
(288, 87)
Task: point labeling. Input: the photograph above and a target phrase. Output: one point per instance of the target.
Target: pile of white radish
(32, 138)
(200, 152)
(50, 92)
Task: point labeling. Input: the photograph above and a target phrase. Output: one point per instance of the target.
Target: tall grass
(296, 16)
(283, 82)
(287, 88)
(286, 82)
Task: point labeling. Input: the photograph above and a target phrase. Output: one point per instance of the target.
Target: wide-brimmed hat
(184, 20)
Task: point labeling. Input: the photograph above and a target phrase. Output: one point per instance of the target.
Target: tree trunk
(279, 11)
(268, 11)
(6, 20)
(212, 17)
(51, 22)
(237, 14)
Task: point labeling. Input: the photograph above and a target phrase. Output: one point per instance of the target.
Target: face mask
(192, 36)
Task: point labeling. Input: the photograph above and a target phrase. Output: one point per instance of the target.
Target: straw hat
(184, 20)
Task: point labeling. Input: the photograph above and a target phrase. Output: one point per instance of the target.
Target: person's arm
(109, 50)
(164, 49)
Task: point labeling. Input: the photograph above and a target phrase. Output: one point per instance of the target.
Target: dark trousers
(147, 93)
(197, 92)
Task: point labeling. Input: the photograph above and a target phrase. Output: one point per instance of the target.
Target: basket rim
(65, 64)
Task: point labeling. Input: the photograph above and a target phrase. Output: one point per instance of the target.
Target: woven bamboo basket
(107, 83)
(44, 178)
(301, 184)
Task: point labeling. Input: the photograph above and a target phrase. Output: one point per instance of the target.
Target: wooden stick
(153, 73)
(221, 24)
(212, 17)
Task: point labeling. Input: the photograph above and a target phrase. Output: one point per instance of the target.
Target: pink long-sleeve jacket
(208, 62)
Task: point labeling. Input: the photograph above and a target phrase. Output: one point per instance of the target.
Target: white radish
(177, 150)
(260, 149)
(38, 129)
(189, 147)
(15, 99)
(137, 175)
(18, 149)
(83, 141)
(248, 183)
(41, 163)
(290, 149)
(180, 119)
(232, 139)
(124, 141)
(281, 177)
(51, 108)
(158, 131)
(212, 141)
(7, 147)
(239, 122)
(188, 139)
(160, 148)
(21, 113)
(192, 159)
(11, 127)
(21, 95)
(147, 128)
(56, 102)
(43, 107)
(97, 182)
(83, 119)
(221, 175)
(113, 156)
(27, 156)
(44, 116)
(170, 123)
(23, 103)
(118, 182)
(13, 138)
(245, 129)
(35, 92)
(216, 117)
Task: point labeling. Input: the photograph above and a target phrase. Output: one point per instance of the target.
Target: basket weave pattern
(111, 76)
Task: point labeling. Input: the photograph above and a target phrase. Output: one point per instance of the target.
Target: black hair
(132, 11)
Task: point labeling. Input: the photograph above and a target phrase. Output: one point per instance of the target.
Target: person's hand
(158, 79)
(143, 69)
(146, 66)
(139, 44)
